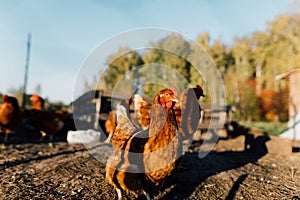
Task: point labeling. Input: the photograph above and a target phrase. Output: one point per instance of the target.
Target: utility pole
(26, 72)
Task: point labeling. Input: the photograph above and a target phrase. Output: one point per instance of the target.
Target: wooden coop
(293, 131)
(293, 81)
(92, 108)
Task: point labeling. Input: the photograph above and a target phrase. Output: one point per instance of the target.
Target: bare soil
(267, 169)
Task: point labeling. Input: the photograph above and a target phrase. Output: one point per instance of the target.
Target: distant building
(293, 81)
(91, 109)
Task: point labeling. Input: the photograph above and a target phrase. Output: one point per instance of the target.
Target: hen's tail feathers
(123, 121)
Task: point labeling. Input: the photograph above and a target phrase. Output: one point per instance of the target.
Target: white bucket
(83, 136)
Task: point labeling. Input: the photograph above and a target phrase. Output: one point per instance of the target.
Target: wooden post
(26, 72)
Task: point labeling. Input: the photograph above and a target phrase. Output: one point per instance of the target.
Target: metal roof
(286, 74)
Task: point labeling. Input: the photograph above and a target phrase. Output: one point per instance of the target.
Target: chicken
(47, 122)
(188, 112)
(143, 159)
(188, 109)
(10, 115)
(37, 102)
(110, 124)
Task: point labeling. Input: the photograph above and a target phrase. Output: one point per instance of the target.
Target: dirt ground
(58, 170)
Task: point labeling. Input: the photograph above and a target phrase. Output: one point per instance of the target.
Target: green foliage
(170, 53)
(165, 64)
(248, 67)
(55, 106)
(123, 70)
(271, 128)
(262, 56)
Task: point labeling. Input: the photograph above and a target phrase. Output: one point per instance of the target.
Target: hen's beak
(174, 99)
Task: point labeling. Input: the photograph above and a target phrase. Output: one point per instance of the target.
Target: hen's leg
(108, 138)
(5, 138)
(119, 192)
(147, 195)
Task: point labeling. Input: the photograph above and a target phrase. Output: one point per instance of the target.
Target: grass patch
(273, 128)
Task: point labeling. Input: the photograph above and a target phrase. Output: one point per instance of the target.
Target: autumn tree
(170, 53)
(122, 73)
(247, 67)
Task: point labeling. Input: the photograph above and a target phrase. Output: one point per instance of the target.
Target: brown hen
(143, 159)
(11, 115)
(188, 111)
(47, 122)
(37, 102)
(111, 124)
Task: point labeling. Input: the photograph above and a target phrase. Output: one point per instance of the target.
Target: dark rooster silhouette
(47, 123)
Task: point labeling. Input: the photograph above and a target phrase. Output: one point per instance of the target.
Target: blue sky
(65, 32)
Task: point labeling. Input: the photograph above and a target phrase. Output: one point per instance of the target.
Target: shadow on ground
(184, 183)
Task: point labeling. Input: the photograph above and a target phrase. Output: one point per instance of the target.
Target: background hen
(111, 124)
(37, 102)
(10, 115)
(189, 110)
(46, 122)
(143, 159)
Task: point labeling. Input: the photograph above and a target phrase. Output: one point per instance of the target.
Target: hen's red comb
(174, 90)
(34, 95)
(5, 97)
